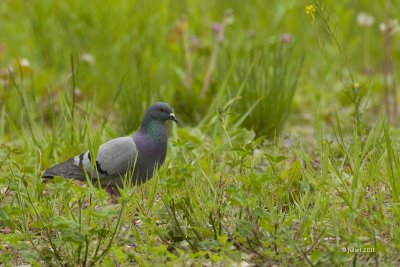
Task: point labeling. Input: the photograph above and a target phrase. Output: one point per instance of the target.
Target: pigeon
(141, 153)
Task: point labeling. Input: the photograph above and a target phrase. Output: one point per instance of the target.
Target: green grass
(282, 160)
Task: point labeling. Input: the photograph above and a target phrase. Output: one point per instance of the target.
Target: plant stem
(389, 81)
(213, 61)
(188, 57)
(73, 87)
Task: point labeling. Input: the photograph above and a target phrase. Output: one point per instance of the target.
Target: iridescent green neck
(152, 128)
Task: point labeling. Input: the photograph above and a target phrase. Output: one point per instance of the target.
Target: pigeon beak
(172, 117)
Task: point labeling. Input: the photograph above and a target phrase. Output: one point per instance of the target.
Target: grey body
(140, 153)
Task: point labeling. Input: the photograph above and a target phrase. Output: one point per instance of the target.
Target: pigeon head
(160, 112)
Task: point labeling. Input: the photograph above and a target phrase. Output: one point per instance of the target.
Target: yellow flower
(310, 10)
(356, 85)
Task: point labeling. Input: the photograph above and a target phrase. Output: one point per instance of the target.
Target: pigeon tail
(66, 169)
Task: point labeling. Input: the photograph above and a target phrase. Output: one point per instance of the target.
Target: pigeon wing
(114, 159)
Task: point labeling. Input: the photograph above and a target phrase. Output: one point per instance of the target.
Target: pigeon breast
(152, 149)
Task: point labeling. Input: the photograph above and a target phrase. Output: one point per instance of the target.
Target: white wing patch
(76, 160)
(84, 161)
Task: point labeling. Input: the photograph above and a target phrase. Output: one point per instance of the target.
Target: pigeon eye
(162, 109)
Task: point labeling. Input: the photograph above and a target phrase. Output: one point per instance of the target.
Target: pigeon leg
(113, 192)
